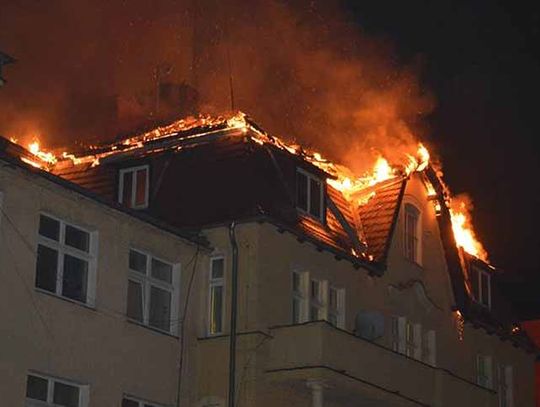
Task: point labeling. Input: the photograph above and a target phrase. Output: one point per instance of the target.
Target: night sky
(479, 60)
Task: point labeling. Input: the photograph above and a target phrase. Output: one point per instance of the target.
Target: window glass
(127, 187)
(296, 283)
(140, 191)
(36, 388)
(74, 278)
(66, 395)
(49, 227)
(129, 403)
(46, 268)
(217, 268)
(315, 289)
(296, 304)
(161, 271)
(484, 279)
(315, 198)
(301, 191)
(135, 301)
(474, 283)
(216, 309)
(137, 261)
(160, 308)
(77, 238)
(411, 232)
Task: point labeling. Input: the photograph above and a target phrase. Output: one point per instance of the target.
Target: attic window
(309, 194)
(481, 286)
(412, 243)
(133, 187)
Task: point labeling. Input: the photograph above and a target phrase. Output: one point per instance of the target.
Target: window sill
(151, 328)
(60, 297)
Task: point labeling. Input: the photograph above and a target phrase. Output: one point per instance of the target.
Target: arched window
(412, 233)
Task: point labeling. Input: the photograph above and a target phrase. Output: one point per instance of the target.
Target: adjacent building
(119, 265)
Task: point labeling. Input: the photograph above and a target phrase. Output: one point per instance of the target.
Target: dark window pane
(474, 283)
(216, 309)
(315, 198)
(137, 261)
(127, 188)
(49, 227)
(161, 271)
(217, 268)
(296, 283)
(129, 403)
(140, 192)
(75, 278)
(135, 301)
(46, 268)
(485, 288)
(296, 310)
(77, 238)
(160, 308)
(66, 395)
(36, 388)
(301, 191)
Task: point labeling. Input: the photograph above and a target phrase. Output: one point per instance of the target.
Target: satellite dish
(369, 325)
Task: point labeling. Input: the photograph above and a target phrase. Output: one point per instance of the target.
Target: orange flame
(45, 156)
(463, 230)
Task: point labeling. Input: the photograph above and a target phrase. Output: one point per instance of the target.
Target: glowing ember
(47, 157)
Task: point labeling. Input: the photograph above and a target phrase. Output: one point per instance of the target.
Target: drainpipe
(234, 306)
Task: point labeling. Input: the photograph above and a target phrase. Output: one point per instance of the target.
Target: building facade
(340, 300)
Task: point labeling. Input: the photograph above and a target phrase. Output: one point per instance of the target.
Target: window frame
(319, 301)
(84, 391)
(484, 370)
(322, 204)
(410, 209)
(301, 296)
(477, 273)
(506, 386)
(147, 281)
(62, 249)
(121, 174)
(212, 283)
(339, 311)
(140, 402)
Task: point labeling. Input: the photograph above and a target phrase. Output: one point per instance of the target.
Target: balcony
(351, 368)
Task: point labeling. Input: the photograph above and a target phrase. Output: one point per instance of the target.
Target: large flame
(463, 229)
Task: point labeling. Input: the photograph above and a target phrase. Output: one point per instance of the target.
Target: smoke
(303, 70)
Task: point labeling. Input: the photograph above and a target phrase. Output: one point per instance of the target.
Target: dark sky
(481, 60)
(478, 60)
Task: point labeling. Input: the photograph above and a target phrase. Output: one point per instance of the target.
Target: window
(134, 186)
(336, 307)
(128, 401)
(216, 296)
(484, 374)
(153, 287)
(310, 194)
(429, 347)
(506, 390)
(412, 235)
(316, 301)
(299, 297)
(413, 340)
(413, 337)
(45, 391)
(481, 286)
(65, 262)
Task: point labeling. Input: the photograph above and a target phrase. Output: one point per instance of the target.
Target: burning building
(219, 242)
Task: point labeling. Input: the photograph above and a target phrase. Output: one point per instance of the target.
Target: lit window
(316, 301)
(216, 296)
(412, 235)
(134, 186)
(299, 297)
(152, 291)
(310, 194)
(484, 373)
(336, 307)
(129, 401)
(506, 387)
(481, 286)
(45, 391)
(65, 262)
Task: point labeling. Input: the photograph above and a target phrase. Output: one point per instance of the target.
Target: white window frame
(339, 311)
(320, 300)
(134, 170)
(84, 391)
(486, 362)
(429, 347)
(141, 402)
(418, 233)
(481, 272)
(506, 386)
(61, 248)
(213, 283)
(309, 176)
(301, 297)
(147, 281)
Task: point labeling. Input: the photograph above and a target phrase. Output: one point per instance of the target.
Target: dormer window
(412, 243)
(310, 194)
(481, 286)
(133, 187)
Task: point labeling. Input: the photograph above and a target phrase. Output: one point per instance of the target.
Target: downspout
(234, 311)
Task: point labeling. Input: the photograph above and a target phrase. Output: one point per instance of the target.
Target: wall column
(316, 387)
